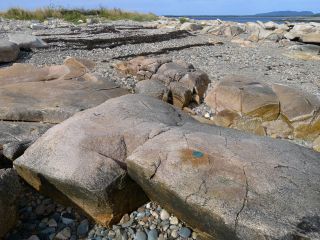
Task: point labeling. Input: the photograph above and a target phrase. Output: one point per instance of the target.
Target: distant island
(286, 14)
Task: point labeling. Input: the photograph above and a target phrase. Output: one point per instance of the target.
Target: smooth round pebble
(164, 215)
(194, 235)
(184, 232)
(153, 234)
(33, 237)
(140, 236)
(83, 228)
(174, 221)
(174, 234)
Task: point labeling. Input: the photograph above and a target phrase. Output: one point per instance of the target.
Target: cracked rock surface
(224, 183)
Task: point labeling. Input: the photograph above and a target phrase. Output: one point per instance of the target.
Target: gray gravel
(42, 218)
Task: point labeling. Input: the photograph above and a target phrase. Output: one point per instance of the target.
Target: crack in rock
(244, 203)
(156, 166)
(203, 185)
(158, 132)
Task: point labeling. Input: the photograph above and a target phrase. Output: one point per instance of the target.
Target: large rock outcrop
(231, 185)
(9, 192)
(311, 38)
(279, 111)
(176, 82)
(225, 183)
(244, 96)
(301, 110)
(34, 98)
(52, 93)
(84, 158)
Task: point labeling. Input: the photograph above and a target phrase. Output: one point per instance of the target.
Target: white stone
(174, 220)
(164, 215)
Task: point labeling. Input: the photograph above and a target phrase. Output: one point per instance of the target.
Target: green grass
(76, 14)
(183, 20)
(118, 14)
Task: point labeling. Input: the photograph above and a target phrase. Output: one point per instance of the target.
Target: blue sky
(179, 7)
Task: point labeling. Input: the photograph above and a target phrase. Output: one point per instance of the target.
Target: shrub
(74, 16)
(183, 20)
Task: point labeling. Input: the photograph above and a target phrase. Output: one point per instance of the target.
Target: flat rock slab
(51, 94)
(226, 184)
(26, 41)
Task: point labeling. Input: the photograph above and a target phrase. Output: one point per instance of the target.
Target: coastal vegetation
(183, 20)
(76, 15)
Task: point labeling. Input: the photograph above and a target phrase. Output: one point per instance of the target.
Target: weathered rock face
(211, 179)
(152, 88)
(302, 110)
(8, 51)
(15, 137)
(227, 184)
(26, 41)
(277, 111)
(304, 32)
(262, 34)
(182, 81)
(308, 48)
(227, 29)
(84, 158)
(51, 94)
(311, 38)
(271, 25)
(188, 26)
(244, 96)
(9, 192)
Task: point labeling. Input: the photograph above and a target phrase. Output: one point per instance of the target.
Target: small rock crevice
(156, 166)
(244, 203)
(202, 188)
(120, 163)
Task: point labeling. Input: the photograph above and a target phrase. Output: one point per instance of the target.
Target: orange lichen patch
(87, 63)
(130, 67)
(225, 118)
(77, 69)
(316, 144)
(267, 112)
(231, 193)
(104, 219)
(252, 125)
(31, 178)
(307, 130)
(194, 157)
